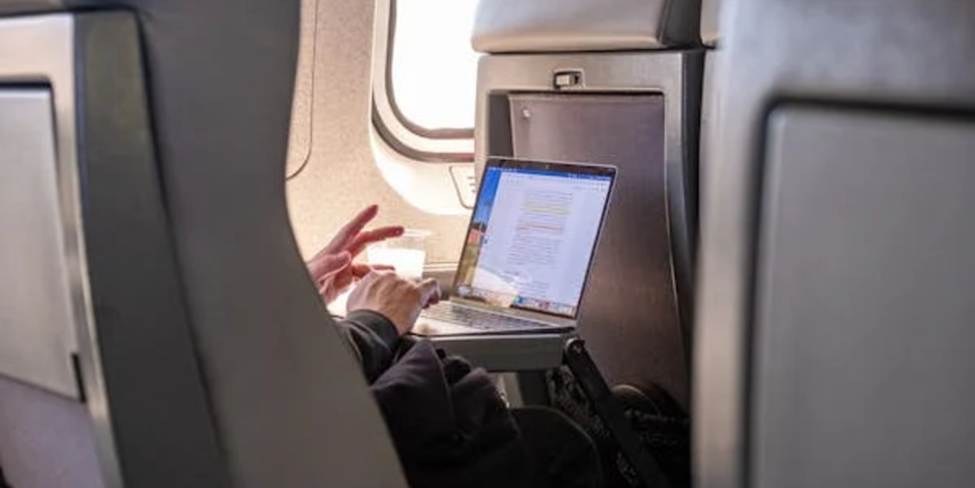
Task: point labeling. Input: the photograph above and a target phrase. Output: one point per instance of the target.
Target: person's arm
(383, 308)
(373, 339)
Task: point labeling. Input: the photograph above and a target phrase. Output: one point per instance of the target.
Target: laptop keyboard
(478, 319)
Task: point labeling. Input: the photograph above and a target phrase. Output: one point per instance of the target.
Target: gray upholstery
(133, 340)
(584, 25)
(289, 400)
(834, 337)
(863, 331)
(209, 360)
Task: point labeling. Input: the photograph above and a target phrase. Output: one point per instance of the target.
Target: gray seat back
(834, 328)
(184, 344)
(632, 105)
(96, 308)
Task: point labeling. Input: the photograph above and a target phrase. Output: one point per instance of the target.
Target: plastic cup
(407, 253)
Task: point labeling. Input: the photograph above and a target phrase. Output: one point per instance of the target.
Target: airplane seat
(158, 326)
(613, 83)
(834, 337)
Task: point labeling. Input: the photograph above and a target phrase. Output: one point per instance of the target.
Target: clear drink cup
(407, 253)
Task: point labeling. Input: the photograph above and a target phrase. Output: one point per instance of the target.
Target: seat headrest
(584, 25)
(710, 25)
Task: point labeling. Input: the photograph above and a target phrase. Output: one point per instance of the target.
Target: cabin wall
(330, 142)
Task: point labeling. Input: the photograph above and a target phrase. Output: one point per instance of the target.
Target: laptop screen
(533, 235)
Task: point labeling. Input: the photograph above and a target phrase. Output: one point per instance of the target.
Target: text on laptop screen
(532, 236)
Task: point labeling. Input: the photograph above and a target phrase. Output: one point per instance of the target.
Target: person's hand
(398, 299)
(333, 268)
(336, 273)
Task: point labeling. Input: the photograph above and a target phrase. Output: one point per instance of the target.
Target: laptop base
(451, 319)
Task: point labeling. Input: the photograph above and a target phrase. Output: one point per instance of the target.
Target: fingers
(362, 240)
(372, 275)
(342, 280)
(360, 270)
(429, 292)
(333, 282)
(349, 231)
(335, 278)
(328, 264)
(323, 290)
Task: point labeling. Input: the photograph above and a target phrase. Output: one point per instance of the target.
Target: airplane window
(425, 89)
(434, 69)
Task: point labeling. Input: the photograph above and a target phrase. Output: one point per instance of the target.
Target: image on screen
(532, 235)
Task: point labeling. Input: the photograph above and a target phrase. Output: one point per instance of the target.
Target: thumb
(429, 291)
(327, 266)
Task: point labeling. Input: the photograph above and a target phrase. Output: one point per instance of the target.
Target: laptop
(528, 252)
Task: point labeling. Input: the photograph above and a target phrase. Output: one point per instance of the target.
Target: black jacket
(3, 480)
(372, 338)
(449, 424)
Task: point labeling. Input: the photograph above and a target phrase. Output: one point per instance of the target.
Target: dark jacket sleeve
(373, 339)
(3, 480)
(448, 422)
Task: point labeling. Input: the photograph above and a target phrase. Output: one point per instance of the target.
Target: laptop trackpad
(430, 327)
